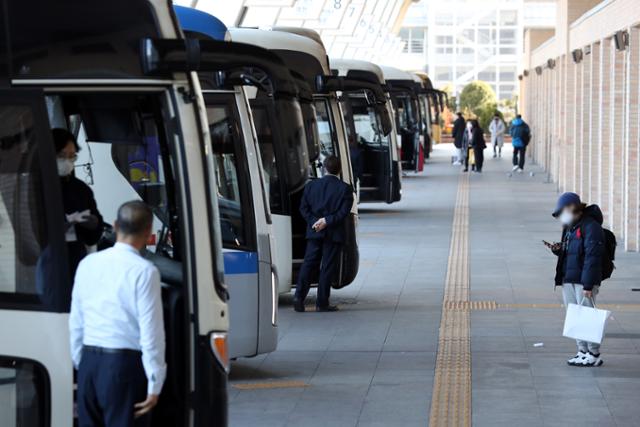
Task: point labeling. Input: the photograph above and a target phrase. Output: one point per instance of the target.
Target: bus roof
(426, 81)
(304, 32)
(201, 22)
(299, 52)
(91, 39)
(393, 73)
(343, 66)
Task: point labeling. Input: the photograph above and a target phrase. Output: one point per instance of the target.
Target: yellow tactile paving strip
(451, 397)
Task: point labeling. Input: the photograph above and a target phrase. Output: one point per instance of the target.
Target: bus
(245, 216)
(368, 115)
(436, 99)
(303, 53)
(117, 75)
(404, 97)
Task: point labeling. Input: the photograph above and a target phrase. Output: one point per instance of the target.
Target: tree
(479, 98)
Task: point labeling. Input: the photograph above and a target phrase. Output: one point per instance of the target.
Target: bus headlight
(219, 346)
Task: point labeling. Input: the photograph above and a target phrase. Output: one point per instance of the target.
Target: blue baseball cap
(565, 200)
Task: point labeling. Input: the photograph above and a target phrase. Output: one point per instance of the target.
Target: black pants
(479, 155)
(322, 255)
(519, 151)
(109, 385)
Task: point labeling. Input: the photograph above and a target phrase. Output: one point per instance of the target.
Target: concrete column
(569, 155)
(585, 125)
(618, 153)
(604, 133)
(594, 120)
(632, 213)
(578, 147)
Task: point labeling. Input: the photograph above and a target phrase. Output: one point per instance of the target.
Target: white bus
(99, 70)
(370, 124)
(247, 236)
(303, 53)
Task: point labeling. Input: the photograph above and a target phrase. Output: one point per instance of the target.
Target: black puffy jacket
(580, 259)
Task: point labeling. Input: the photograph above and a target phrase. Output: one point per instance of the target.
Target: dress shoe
(327, 308)
(298, 305)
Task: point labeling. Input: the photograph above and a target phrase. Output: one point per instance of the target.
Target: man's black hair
(459, 114)
(61, 137)
(332, 165)
(518, 116)
(134, 218)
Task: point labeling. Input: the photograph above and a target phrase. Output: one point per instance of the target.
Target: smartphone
(547, 244)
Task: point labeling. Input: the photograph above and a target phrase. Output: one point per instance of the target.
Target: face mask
(65, 167)
(566, 217)
(469, 126)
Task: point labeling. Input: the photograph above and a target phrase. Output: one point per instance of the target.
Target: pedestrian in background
(497, 129)
(478, 145)
(579, 269)
(325, 205)
(116, 328)
(521, 135)
(458, 135)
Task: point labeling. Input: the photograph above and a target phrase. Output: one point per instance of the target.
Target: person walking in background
(465, 147)
(579, 269)
(116, 328)
(477, 144)
(521, 135)
(325, 205)
(458, 135)
(497, 130)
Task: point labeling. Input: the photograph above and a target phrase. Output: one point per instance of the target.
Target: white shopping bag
(585, 323)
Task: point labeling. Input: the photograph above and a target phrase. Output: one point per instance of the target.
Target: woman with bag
(473, 144)
(579, 268)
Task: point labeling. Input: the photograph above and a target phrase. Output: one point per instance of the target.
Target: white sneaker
(590, 360)
(575, 360)
(457, 163)
(520, 170)
(515, 168)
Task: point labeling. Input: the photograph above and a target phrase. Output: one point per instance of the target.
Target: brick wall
(586, 116)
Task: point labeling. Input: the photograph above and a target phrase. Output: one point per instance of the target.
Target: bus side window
(23, 392)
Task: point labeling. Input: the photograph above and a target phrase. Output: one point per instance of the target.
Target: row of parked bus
(218, 130)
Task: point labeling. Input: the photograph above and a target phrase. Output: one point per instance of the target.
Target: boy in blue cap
(579, 268)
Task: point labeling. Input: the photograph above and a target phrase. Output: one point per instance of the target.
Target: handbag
(585, 323)
(472, 157)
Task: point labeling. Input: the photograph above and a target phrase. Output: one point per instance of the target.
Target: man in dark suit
(325, 205)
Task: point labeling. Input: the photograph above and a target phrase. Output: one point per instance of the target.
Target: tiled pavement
(372, 363)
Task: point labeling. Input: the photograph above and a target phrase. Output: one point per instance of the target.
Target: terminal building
(579, 86)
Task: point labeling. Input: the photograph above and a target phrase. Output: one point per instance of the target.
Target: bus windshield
(367, 123)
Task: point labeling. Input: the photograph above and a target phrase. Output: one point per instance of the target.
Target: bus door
(244, 228)
(333, 140)
(36, 374)
(266, 131)
(364, 127)
(425, 124)
(407, 126)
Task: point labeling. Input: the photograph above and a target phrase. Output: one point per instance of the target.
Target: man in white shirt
(117, 330)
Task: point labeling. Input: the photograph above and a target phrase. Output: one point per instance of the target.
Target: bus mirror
(385, 118)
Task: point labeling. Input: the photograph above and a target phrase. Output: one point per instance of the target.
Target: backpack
(609, 254)
(526, 135)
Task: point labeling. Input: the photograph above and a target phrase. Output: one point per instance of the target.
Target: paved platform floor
(372, 363)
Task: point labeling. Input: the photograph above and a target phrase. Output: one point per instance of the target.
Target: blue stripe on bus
(240, 263)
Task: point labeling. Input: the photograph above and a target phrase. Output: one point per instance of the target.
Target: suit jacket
(329, 198)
